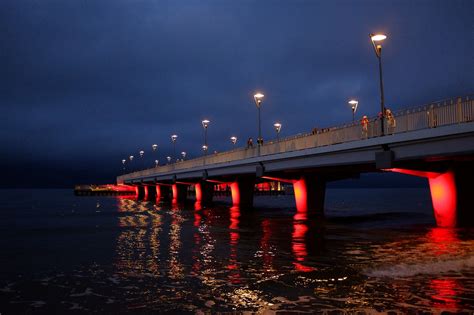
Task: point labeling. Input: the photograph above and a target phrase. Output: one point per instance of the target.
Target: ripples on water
(63, 253)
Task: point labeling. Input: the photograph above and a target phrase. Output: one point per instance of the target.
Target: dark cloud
(85, 83)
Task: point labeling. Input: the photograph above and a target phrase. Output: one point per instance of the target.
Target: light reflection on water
(188, 259)
(235, 259)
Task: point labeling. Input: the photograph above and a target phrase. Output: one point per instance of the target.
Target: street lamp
(354, 105)
(376, 42)
(173, 139)
(204, 148)
(131, 159)
(277, 129)
(154, 147)
(168, 158)
(233, 140)
(183, 154)
(156, 163)
(123, 163)
(205, 124)
(258, 97)
(141, 158)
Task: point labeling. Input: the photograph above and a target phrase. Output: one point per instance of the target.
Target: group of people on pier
(389, 118)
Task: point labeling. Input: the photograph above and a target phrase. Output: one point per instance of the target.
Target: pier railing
(441, 113)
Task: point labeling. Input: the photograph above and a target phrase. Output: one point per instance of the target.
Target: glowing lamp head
(353, 104)
(154, 147)
(141, 153)
(377, 37)
(205, 123)
(183, 154)
(204, 147)
(168, 158)
(174, 137)
(277, 127)
(233, 140)
(157, 162)
(123, 161)
(131, 157)
(258, 97)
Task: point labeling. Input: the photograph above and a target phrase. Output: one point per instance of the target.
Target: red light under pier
(444, 194)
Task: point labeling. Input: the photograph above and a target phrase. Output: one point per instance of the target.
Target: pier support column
(163, 192)
(140, 191)
(310, 193)
(145, 192)
(242, 191)
(204, 192)
(451, 194)
(179, 192)
(452, 197)
(150, 192)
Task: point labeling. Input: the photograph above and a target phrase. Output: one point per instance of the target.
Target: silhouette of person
(249, 143)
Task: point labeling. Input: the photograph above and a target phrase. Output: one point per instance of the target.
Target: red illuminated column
(145, 192)
(179, 192)
(451, 194)
(310, 192)
(453, 197)
(137, 192)
(141, 191)
(204, 192)
(242, 192)
(158, 192)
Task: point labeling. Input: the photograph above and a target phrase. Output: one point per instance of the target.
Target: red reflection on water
(197, 206)
(197, 219)
(298, 244)
(145, 189)
(234, 275)
(445, 293)
(443, 241)
(267, 254)
(197, 243)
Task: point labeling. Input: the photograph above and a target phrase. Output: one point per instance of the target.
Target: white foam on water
(432, 267)
(38, 303)
(87, 292)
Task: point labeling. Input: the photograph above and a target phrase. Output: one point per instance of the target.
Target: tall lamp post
(376, 42)
(258, 98)
(354, 105)
(131, 159)
(154, 147)
(141, 159)
(205, 124)
(233, 140)
(123, 165)
(277, 129)
(173, 140)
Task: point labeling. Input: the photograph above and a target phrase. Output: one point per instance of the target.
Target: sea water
(376, 251)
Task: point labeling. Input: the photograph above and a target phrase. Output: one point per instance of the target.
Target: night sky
(86, 83)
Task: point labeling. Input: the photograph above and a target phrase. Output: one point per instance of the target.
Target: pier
(434, 141)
